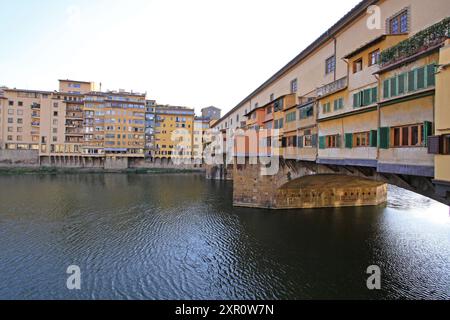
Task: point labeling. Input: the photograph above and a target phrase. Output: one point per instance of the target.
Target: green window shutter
(401, 83)
(427, 131)
(375, 95)
(384, 137)
(366, 97)
(411, 81)
(373, 138)
(421, 78)
(356, 100)
(386, 89)
(328, 106)
(394, 87)
(321, 142)
(314, 140)
(300, 142)
(431, 76)
(341, 103)
(336, 106)
(349, 140)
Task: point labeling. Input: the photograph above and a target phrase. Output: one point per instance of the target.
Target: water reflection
(179, 237)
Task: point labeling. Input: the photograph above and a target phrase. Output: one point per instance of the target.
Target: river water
(179, 237)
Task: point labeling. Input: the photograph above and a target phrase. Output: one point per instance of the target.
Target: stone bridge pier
(303, 184)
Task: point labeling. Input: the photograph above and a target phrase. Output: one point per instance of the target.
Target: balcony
(332, 87)
(36, 106)
(422, 41)
(35, 124)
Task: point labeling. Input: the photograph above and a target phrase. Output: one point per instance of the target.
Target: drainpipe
(335, 51)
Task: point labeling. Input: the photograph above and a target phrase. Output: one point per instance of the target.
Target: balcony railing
(420, 42)
(332, 87)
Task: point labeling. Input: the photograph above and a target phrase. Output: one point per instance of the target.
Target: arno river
(179, 237)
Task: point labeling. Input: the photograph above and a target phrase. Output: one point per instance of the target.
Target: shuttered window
(386, 89)
(393, 87)
(357, 100)
(420, 78)
(431, 75)
(366, 97)
(401, 83)
(411, 81)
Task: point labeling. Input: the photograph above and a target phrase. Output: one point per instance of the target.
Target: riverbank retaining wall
(19, 158)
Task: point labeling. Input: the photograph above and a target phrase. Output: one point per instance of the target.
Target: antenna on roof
(100, 87)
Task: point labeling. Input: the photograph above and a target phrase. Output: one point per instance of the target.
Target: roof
(68, 80)
(359, 9)
(365, 46)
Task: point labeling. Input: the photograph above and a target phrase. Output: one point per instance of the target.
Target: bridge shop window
(416, 79)
(328, 142)
(411, 135)
(306, 112)
(439, 144)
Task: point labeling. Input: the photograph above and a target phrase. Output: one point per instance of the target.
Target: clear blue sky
(195, 53)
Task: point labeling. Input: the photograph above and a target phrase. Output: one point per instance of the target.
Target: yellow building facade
(174, 128)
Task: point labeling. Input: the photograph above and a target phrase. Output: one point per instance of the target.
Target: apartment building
(363, 95)
(74, 126)
(173, 132)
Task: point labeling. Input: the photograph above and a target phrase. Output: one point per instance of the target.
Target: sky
(194, 53)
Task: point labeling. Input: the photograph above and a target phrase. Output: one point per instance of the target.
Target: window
(10, 111)
(10, 120)
(20, 104)
(292, 141)
(294, 86)
(361, 139)
(338, 104)
(279, 124)
(365, 97)
(416, 79)
(357, 65)
(10, 138)
(55, 113)
(326, 108)
(330, 65)
(411, 135)
(20, 112)
(290, 117)
(332, 141)
(374, 57)
(11, 103)
(19, 129)
(307, 139)
(19, 121)
(306, 112)
(55, 104)
(256, 105)
(399, 23)
(272, 97)
(10, 129)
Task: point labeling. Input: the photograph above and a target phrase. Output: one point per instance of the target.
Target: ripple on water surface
(178, 237)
